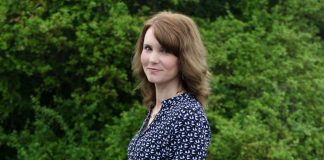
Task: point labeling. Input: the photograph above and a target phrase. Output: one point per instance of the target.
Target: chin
(154, 81)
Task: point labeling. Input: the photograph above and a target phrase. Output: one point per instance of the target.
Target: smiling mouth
(153, 69)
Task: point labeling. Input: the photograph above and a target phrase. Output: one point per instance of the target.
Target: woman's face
(160, 67)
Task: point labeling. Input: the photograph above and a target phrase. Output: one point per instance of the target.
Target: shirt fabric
(179, 131)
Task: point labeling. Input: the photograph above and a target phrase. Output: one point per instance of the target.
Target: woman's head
(177, 34)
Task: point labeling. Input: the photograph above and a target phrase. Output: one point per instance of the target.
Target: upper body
(179, 131)
(170, 64)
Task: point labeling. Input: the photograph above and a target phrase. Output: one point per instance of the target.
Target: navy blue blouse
(180, 130)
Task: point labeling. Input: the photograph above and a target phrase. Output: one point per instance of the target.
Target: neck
(165, 91)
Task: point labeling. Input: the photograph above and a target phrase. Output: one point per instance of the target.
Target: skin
(161, 68)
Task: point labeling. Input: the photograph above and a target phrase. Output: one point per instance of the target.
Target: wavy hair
(179, 35)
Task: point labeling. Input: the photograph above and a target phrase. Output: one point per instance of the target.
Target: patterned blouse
(180, 130)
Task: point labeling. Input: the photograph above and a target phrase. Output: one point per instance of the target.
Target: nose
(154, 57)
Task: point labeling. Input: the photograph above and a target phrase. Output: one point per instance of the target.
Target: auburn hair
(179, 35)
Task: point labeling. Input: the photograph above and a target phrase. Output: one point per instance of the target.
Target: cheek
(143, 59)
(172, 64)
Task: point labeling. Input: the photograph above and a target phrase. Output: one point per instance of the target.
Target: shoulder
(188, 107)
(188, 113)
(184, 109)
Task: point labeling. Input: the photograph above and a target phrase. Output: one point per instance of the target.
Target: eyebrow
(146, 44)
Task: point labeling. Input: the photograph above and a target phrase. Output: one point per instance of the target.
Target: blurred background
(67, 90)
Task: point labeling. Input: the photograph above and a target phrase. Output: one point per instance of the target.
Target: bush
(65, 75)
(267, 84)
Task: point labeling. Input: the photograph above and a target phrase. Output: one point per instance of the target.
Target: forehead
(150, 38)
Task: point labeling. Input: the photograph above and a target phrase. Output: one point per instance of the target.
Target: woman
(170, 63)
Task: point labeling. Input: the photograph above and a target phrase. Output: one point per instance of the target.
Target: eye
(147, 48)
(163, 50)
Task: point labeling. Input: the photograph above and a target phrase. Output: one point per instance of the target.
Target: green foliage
(65, 72)
(121, 132)
(267, 84)
(67, 90)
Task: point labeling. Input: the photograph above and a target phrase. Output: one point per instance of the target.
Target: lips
(153, 69)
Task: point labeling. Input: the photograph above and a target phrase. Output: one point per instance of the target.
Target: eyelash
(147, 48)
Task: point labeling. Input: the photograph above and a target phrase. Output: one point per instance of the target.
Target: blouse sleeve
(191, 137)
